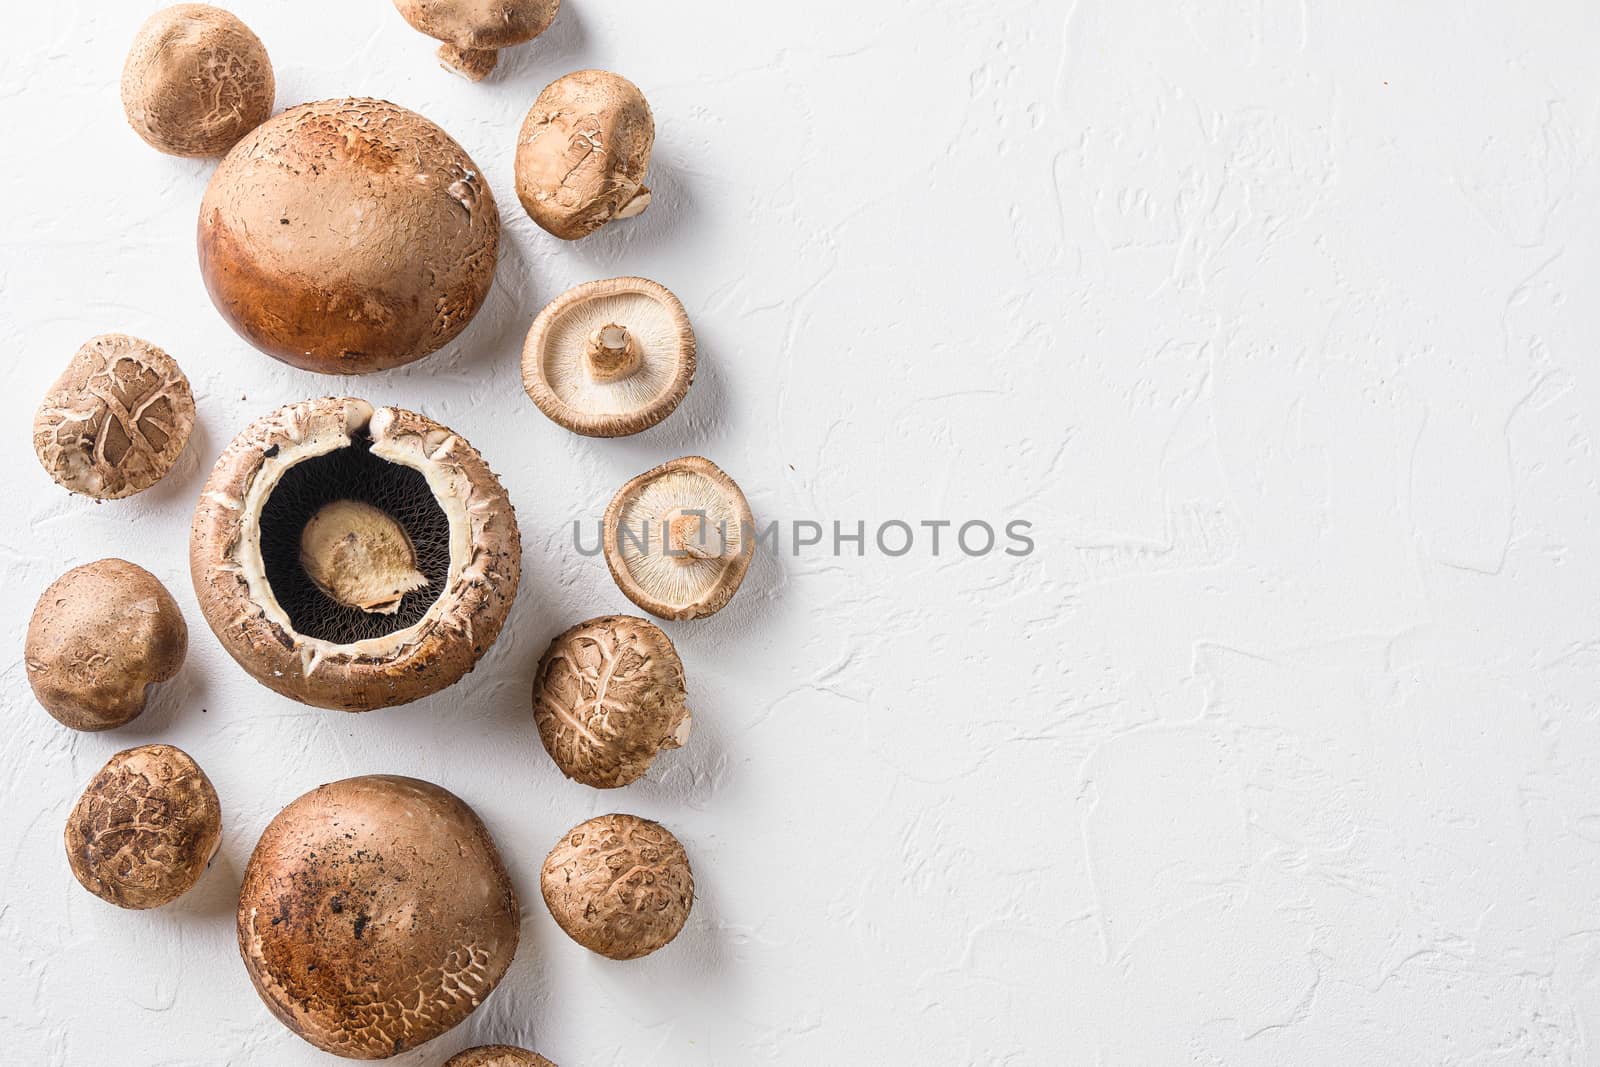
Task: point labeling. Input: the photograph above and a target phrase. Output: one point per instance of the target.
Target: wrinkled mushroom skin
(618, 885)
(348, 236)
(116, 420)
(101, 635)
(145, 828)
(196, 80)
(583, 152)
(608, 697)
(497, 1056)
(375, 915)
(474, 30)
(435, 652)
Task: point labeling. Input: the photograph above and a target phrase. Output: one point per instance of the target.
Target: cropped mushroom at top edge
(474, 31)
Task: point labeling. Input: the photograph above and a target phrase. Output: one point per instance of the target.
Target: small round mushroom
(354, 557)
(116, 420)
(618, 885)
(375, 915)
(608, 698)
(348, 236)
(583, 152)
(679, 539)
(101, 635)
(473, 31)
(144, 830)
(196, 80)
(610, 358)
(497, 1056)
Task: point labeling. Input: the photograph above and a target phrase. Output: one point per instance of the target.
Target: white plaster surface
(1277, 319)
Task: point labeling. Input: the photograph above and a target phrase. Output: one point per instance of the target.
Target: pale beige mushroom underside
(638, 543)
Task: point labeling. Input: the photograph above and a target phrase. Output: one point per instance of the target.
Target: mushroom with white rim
(582, 153)
(679, 538)
(376, 914)
(354, 557)
(347, 236)
(608, 698)
(610, 358)
(474, 31)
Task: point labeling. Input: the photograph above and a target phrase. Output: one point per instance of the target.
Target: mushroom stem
(636, 206)
(611, 354)
(691, 536)
(472, 64)
(360, 557)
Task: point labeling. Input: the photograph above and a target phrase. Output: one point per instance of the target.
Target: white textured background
(1278, 319)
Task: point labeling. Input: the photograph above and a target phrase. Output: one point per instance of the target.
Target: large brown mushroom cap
(145, 828)
(246, 544)
(196, 80)
(474, 30)
(101, 635)
(583, 152)
(610, 358)
(375, 915)
(608, 698)
(497, 1056)
(347, 236)
(116, 420)
(679, 539)
(618, 885)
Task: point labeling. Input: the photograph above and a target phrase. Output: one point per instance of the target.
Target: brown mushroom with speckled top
(348, 236)
(679, 538)
(116, 420)
(196, 80)
(618, 885)
(497, 1056)
(608, 698)
(100, 637)
(375, 915)
(145, 828)
(473, 31)
(583, 152)
(354, 557)
(610, 358)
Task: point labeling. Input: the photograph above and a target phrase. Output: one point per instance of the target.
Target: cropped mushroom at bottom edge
(618, 885)
(375, 915)
(354, 557)
(679, 538)
(497, 1056)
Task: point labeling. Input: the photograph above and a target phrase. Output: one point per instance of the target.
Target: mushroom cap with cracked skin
(145, 828)
(608, 698)
(246, 541)
(582, 153)
(116, 420)
(639, 388)
(474, 30)
(618, 885)
(679, 538)
(101, 635)
(375, 915)
(196, 80)
(348, 236)
(497, 1056)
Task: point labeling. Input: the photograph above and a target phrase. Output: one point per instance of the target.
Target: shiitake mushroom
(497, 1056)
(196, 80)
(582, 153)
(618, 885)
(474, 31)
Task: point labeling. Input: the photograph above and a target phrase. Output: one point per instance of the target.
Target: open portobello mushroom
(354, 557)
(679, 539)
(375, 915)
(610, 358)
